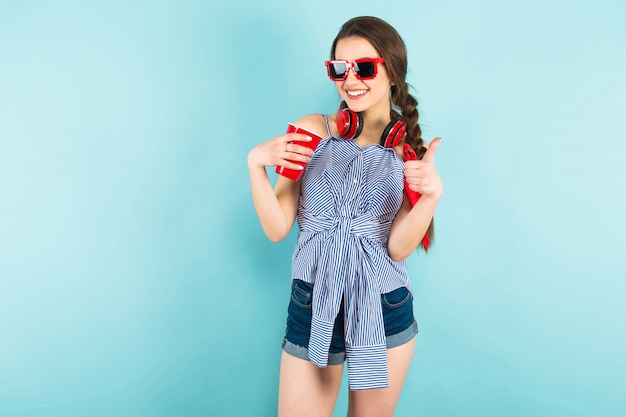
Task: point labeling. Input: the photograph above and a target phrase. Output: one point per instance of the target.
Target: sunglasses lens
(365, 69)
(337, 70)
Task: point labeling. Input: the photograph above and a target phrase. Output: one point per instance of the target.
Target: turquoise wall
(136, 281)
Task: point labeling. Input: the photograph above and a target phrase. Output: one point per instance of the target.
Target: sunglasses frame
(350, 65)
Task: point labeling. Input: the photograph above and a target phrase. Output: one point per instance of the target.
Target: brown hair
(386, 40)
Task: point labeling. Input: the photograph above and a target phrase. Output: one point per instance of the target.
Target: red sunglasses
(364, 69)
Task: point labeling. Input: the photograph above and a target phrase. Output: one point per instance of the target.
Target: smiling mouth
(356, 93)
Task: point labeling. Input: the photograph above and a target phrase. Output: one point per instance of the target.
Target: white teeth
(356, 93)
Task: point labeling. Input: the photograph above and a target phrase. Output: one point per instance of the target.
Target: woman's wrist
(434, 196)
(252, 164)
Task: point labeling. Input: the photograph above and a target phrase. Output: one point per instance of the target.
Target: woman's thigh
(382, 402)
(306, 390)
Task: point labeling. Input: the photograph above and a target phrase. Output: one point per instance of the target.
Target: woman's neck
(374, 123)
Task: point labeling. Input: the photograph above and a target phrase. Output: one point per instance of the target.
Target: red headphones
(350, 125)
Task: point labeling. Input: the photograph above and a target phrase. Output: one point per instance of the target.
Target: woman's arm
(411, 223)
(276, 208)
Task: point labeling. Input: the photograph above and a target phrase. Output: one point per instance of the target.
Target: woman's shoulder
(315, 123)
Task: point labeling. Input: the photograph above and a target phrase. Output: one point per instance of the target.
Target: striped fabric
(349, 198)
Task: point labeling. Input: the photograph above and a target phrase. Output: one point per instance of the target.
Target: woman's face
(371, 96)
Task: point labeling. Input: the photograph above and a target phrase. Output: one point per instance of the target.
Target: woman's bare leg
(382, 402)
(305, 390)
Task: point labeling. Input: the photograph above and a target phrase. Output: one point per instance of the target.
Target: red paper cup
(295, 174)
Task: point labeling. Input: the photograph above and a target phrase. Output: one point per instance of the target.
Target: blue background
(136, 281)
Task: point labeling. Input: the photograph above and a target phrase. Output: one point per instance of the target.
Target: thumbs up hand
(421, 175)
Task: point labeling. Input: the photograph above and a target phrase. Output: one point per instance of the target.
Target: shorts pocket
(302, 293)
(396, 298)
(397, 308)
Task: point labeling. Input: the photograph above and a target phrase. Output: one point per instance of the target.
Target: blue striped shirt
(348, 200)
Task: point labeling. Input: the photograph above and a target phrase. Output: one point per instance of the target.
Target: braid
(407, 104)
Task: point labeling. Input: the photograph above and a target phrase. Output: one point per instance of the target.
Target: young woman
(351, 296)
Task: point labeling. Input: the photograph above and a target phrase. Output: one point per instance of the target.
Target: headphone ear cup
(394, 134)
(349, 123)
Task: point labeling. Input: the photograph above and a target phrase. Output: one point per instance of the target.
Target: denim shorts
(397, 305)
